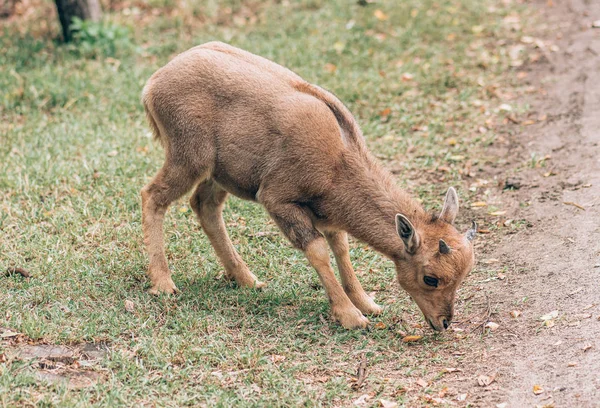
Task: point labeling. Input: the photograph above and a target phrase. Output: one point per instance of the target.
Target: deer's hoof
(163, 286)
(350, 318)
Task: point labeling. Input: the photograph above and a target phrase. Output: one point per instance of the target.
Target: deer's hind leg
(207, 202)
(170, 183)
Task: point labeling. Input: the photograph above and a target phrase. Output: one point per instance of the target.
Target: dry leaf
(331, 68)
(549, 323)
(388, 404)
(112, 153)
(478, 204)
(596, 24)
(385, 112)
(515, 313)
(490, 261)
(552, 315)
(380, 325)
(422, 382)
(586, 347)
(492, 326)
(8, 333)
(407, 77)
(537, 390)
(497, 213)
(461, 397)
(505, 107)
(502, 405)
(411, 339)
(572, 364)
(485, 380)
(3, 358)
(380, 15)
(451, 370)
(129, 306)
(362, 400)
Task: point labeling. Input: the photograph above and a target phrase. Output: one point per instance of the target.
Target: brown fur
(233, 122)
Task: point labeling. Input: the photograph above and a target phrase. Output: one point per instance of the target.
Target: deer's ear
(450, 208)
(407, 233)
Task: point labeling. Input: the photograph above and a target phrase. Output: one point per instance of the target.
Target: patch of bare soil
(547, 352)
(55, 364)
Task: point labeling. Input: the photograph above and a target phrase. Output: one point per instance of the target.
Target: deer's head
(437, 258)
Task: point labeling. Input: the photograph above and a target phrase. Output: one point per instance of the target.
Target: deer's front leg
(296, 224)
(338, 241)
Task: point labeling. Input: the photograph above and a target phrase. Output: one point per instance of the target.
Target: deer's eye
(430, 281)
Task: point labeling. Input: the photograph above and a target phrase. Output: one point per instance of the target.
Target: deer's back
(245, 115)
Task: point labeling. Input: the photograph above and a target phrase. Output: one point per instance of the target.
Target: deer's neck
(367, 201)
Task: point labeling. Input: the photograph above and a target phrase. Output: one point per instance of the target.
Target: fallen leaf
(572, 364)
(112, 153)
(515, 313)
(483, 231)
(411, 339)
(422, 383)
(485, 380)
(505, 107)
(452, 141)
(497, 213)
(461, 397)
(451, 370)
(331, 68)
(339, 46)
(596, 24)
(490, 261)
(477, 29)
(492, 326)
(380, 15)
(586, 347)
(3, 358)
(388, 404)
(407, 77)
(380, 325)
(537, 390)
(385, 112)
(501, 276)
(8, 333)
(478, 204)
(549, 316)
(502, 405)
(129, 306)
(549, 323)
(362, 400)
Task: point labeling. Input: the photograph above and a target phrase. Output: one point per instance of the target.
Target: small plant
(99, 38)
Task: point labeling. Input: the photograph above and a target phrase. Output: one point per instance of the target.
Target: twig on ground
(361, 373)
(17, 271)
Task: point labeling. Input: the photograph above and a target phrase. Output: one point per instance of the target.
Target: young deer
(233, 122)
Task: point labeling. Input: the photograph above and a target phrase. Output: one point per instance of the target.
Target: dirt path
(555, 264)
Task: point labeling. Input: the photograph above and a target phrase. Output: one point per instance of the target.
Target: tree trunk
(84, 9)
(7, 8)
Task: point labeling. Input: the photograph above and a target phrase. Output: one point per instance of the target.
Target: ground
(497, 98)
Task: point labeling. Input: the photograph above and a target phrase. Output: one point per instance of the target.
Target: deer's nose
(446, 323)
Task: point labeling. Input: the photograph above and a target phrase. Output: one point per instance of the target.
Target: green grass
(75, 151)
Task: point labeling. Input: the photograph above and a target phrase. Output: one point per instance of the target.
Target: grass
(75, 151)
